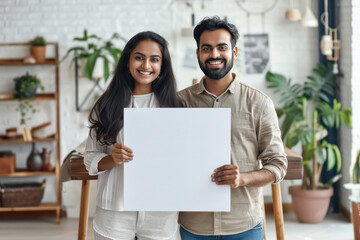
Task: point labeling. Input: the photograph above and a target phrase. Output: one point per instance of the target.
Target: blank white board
(175, 152)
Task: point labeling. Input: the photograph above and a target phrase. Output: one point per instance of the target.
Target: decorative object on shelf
(34, 161)
(25, 90)
(309, 103)
(29, 59)
(7, 162)
(330, 44)
(308, 19)
(293, 14)
(38, 48)
(11, 133)
(46, 164)
(21, 194)
(26, 134)
(5, 96)
(42, 131)
(95, 51)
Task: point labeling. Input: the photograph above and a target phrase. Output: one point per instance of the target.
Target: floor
(334, 227)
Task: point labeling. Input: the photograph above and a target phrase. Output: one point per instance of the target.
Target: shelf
(41, 207)
(20, 62)
(53, 97)
(20, 139)
(25, 173)
(38, 97)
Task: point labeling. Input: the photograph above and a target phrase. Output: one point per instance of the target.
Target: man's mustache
(215, 59)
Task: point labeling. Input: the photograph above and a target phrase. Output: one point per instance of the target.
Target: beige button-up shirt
(255, 143)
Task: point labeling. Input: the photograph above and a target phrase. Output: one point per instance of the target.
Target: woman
(143, 79)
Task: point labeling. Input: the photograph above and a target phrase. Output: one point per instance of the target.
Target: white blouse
(110, 182)
(110, 220)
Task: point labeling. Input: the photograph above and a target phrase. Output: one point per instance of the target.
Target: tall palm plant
(307, 109)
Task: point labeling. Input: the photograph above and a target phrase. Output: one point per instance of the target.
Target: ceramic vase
(46, 156)
(34, 161)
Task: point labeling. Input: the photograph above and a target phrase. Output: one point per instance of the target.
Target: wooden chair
(79, 172)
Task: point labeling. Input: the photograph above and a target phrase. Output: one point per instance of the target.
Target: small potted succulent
(25, 91)
(37, 50)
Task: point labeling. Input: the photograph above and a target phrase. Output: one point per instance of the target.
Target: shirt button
(217, 100)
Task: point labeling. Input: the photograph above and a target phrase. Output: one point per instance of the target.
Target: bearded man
(257, 152)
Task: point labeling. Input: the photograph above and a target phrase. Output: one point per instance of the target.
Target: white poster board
(175, 152)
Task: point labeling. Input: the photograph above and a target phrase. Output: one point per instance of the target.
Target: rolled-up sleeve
(94, 152)
(271, 148)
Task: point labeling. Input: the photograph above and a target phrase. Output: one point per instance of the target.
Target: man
(257, 152)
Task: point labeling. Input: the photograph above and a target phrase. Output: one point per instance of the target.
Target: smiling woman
(137, 83)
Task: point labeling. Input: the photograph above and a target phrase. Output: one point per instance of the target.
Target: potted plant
(95, 50)
(307, 110)
(25, 91)
(37, 50)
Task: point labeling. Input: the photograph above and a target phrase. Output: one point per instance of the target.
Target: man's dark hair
(213, 24)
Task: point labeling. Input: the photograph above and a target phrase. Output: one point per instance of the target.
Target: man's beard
(216, 74)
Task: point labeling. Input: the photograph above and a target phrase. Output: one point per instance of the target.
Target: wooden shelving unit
(51, 62)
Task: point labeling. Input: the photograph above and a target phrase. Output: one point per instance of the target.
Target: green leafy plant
(356, 169)
(38, 41)
(306, 111)
(94, 50)
(25, 90)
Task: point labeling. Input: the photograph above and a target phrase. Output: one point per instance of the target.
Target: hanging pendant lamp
(292, 14)
(309, 19)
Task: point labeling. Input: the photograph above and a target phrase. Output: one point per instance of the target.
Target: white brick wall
(350, 87)
(293, 48)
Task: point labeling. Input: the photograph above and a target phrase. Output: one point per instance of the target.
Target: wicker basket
(21, 194)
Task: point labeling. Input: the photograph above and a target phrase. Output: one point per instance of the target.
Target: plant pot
(355, 191)
(38, 52)
(28, 90)
(34, 161)
(310, 206)
(98, 71)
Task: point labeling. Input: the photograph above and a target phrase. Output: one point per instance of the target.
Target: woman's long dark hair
(107, 115)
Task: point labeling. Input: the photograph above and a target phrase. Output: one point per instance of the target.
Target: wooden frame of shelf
(52, 62)
(20, 62)
(41, 207)
(20, 139)
(25, 173)
(38, 97)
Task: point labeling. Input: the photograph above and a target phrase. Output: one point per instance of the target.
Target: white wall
(293, 49)
(350, 87)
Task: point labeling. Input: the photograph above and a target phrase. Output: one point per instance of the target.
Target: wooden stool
(79, 172)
